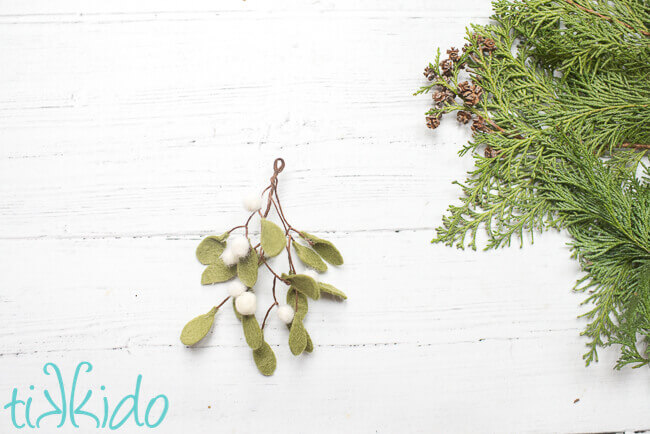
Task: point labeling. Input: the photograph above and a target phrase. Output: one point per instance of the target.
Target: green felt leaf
(304, 284)
(211, 248)
(247, 268)
(328, 252)
(273, 239)
(324, 248)
(198, 328)
(310, 345)
(234, 308)
(297, 337)
(326, 287)
(303, 305)
(265, 359)
(310, 258)
(252, 331)
(217, 272)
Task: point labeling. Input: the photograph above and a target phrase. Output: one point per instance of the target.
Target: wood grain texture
(130, 130)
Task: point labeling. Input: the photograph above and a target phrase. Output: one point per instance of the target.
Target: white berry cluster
(236, 288)
(236, 249)
(252, 202)
(285, 313)
(246, 303)
(238, 245)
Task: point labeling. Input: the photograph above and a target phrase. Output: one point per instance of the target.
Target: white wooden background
(129, 131)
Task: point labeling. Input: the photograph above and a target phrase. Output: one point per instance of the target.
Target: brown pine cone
(490, 152)
(440, 96)
(464, 87)
(463, 116)
(453, 54)
(488, 45)
(433, 122)
(447, 66)
(429, 73)
(450, 95)
(479, 39)
(471, 98)
(479, 125)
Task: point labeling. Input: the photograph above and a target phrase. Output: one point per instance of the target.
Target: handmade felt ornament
(558, 96)
(235, 258)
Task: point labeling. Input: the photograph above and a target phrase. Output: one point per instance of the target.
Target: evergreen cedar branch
(559, 98)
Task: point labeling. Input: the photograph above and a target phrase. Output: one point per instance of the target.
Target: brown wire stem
(223, 302)
(273, 200)
(274, 273)
(245, 225)
(275, 303)
(267, 314)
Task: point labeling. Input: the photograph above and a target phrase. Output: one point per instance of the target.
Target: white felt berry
(252, 201)
(246, 303)
(236, 288)
(285, 313)
(228, 257)
(239, 245)
(311, 273)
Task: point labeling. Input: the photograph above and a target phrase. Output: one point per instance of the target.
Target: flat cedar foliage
(558, 93)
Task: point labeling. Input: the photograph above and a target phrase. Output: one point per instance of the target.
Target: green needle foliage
(558, 93)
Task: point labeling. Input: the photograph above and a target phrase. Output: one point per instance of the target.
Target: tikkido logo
(65, 407)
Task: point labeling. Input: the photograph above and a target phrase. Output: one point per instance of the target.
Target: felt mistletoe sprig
(235, 259)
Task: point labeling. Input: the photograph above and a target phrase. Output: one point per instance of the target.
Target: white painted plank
(397, 281)
(156, 127)
(170, 9)
(429, 338)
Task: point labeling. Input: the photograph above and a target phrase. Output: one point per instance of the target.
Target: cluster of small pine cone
(469, 92)
(446, 66)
